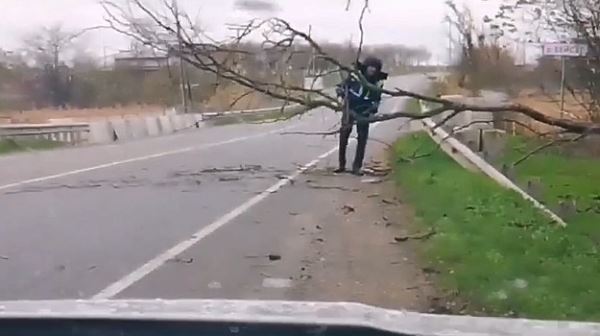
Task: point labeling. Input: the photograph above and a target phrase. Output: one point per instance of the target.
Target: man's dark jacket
(360, 99)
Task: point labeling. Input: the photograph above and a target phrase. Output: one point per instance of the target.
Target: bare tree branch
(362, 30)
(547, 145)
(280, 40)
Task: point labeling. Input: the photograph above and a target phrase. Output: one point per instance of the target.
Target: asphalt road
(119, 220)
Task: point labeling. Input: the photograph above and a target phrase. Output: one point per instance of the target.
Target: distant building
(140, 61)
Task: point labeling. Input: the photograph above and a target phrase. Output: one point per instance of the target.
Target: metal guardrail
(68, 133)
(469, 159)
(228, 317)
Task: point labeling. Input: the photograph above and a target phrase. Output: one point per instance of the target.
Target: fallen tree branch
(546, 145)
(327, 133)
(220, 58)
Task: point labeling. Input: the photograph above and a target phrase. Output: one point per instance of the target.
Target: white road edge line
(138, 274)
(127, 281)
(140, 158)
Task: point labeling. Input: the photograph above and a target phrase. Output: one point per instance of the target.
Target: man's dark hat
(374, 62)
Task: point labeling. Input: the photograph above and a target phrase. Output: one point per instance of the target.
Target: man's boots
(357, 171)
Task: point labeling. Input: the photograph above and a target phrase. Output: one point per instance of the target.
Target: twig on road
(421, 236)
(241, 168)
(310, 184)
(182, 260)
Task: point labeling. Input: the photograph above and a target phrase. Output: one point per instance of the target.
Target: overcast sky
(408, 22)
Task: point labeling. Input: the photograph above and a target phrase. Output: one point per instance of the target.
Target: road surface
(158, 218)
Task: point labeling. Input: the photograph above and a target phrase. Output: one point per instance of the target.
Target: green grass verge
(563, 178)
(492, 248)
(8, 146)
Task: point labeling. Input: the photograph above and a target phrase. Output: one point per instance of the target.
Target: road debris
(421, 236)
(388, 202)
(430, 270)
(292, 213)
(274, 257)
(241, 168)
(377, 168)
(347, 209)
(54, 187)
(373, 180)
(318, 227)
(182, 260)
(329, 187)
(373, 195)
(228, 178)
(4, 257)
(312, 184)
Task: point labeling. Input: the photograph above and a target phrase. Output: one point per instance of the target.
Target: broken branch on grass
(547, 145)
(421, 236)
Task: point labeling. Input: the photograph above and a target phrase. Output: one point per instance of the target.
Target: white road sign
(565, 49)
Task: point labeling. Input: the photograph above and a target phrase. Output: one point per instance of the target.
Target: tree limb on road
(279, 39)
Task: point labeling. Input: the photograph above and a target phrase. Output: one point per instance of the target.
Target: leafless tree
(171, 28)
(576, 21)
(47, 49)
(47, 46)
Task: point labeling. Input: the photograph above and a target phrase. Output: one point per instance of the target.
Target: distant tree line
(47, 73)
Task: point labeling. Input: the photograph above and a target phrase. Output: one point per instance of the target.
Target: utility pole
(182, 75)
(312, 55)
(562, 85)
(104, 57)
(450, 42)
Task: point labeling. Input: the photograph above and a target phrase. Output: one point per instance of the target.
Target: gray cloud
(389, 21)
(256, 6)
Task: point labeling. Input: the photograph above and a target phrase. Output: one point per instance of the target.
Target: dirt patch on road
(366, 250)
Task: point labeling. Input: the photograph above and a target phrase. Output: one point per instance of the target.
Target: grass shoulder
(8, 146)
(492, 248)
(562, 177)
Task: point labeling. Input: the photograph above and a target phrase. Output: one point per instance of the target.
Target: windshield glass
(437, 157)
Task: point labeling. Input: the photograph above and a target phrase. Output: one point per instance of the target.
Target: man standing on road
(362, 101)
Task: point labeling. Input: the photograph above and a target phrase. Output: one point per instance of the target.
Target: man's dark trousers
(362, 129)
